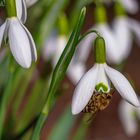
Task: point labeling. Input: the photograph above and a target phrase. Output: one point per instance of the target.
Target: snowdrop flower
(123, 28)
(21, 7)
(128, 115)
(49, 47)
(98, 79)
(131, 6)
(134, 27)
(53, 49)
(20, 40)
(123, 34)
(112, 50)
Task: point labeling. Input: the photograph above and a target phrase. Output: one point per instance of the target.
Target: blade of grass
(59, 73)
(82, 129)
(4, 102)
(61, 129)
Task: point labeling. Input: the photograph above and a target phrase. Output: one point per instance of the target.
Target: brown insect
(98, 102)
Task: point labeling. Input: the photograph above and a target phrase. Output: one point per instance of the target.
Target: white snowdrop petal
(84, 48)
(130, 6)
(61, 43)
(2, 32)
(49, 47)
(84, 90)
(32, 43)
(21, 10)
(134, 27)
(138, 110)
(30, 2)
(122, 85)
(19, 43)
(76, 71)
(128, 118)
(123, 36)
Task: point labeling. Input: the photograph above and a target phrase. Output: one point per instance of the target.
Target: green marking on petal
(101, 87)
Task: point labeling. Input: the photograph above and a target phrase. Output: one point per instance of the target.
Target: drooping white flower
(98, 79)
(49, 47)
(134, 27)
(112, 44)
(125, 30)
(53, 49)
(20, 41)
(128, 116)
(131, 6)
(123, 35)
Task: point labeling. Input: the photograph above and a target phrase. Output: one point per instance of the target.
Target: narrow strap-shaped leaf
(66, 121)
(4, 101)
(59, 72)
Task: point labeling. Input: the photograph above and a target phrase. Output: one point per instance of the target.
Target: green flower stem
(59, 73)
(11, 8)
(62, 126)
(83, 127)
(39, 125)
(119, 10)
(87, 33)
(100, 14)
(28, 113)
(100, 52)
(63, 24)
(27, 75)
(4, 102)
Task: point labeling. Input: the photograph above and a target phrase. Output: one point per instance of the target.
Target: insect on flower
(92, 93)
(98, 102)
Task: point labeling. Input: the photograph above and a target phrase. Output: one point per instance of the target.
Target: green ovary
(101, 87)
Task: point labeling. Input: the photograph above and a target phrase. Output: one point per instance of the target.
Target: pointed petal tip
(75, 111)
(84, 90)
(123, 86)
(136, 103)
(26, 65)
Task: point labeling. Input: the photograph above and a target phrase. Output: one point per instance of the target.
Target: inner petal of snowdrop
(102, 84)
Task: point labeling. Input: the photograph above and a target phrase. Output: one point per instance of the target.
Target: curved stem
(87, 33)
